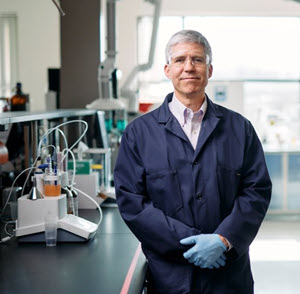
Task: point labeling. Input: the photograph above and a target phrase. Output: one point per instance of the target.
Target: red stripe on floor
(131, 269)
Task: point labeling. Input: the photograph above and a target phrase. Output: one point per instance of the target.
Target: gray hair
(188, 36)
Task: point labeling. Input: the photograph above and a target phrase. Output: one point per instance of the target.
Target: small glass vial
(65, 190)
(70, 201)
(75, 199)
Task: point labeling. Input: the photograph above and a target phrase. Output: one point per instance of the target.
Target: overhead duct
(107, 67)
(126, 90)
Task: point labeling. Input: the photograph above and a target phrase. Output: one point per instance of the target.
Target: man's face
(188, 70)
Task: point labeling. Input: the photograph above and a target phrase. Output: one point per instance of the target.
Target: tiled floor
(275, 256)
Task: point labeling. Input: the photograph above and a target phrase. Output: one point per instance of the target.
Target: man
(192, 183)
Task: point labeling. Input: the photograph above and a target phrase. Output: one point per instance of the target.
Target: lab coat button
(199, 196)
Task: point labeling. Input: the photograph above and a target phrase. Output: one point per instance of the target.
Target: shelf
(28, 116)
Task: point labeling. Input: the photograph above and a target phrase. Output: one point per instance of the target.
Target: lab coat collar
(164, 113)
(209, 123)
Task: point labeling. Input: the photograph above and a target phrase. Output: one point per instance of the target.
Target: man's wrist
(224, 240)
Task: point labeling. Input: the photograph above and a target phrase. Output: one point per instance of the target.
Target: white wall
(38, 44)
(129, 10)
(231, 7)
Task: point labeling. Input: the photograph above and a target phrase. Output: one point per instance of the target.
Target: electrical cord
(60, 125)
(9, 235)
(97, 205)
(48, 132)
(67, 150)
(5, 239)
(5, 228)
(29, 168)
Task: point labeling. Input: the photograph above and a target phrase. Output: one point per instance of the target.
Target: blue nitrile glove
(219, 262)
(207, 250)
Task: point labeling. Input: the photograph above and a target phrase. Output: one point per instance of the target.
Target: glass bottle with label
(19, 100)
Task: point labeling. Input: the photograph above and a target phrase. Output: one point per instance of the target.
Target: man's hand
(219, 262)
(207, 252)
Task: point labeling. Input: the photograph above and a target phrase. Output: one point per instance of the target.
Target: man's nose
(189, 64)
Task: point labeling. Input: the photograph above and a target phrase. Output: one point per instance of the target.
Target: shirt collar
(181, 112)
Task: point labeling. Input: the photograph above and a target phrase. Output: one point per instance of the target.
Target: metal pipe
(27, 145)
(126, 90)
(34, 142)
(108, 65)
(156, 16)
(111, 27)
(59, 8)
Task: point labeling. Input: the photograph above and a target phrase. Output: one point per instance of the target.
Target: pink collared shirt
(189, 121)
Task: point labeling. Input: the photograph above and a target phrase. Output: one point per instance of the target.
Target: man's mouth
(190, 78)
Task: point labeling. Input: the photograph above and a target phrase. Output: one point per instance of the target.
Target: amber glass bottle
(18, 101)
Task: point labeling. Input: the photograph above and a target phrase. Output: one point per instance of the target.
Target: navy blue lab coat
(167, 191)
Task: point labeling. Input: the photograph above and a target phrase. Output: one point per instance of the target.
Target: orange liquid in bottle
(52, 190)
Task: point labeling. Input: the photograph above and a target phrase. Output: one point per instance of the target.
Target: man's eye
(199, 60)
(179, 60)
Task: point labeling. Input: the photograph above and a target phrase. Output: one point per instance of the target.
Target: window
(8, 54)
(243, 47)
(251, 47)
(260, 55)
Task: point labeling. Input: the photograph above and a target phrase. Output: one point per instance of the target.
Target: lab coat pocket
(228, 185)
(164, 191)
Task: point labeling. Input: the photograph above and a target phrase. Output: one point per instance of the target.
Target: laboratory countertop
(101, 265)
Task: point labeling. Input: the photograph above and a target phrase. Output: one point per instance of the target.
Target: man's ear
(210, 71)
(167, 71)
